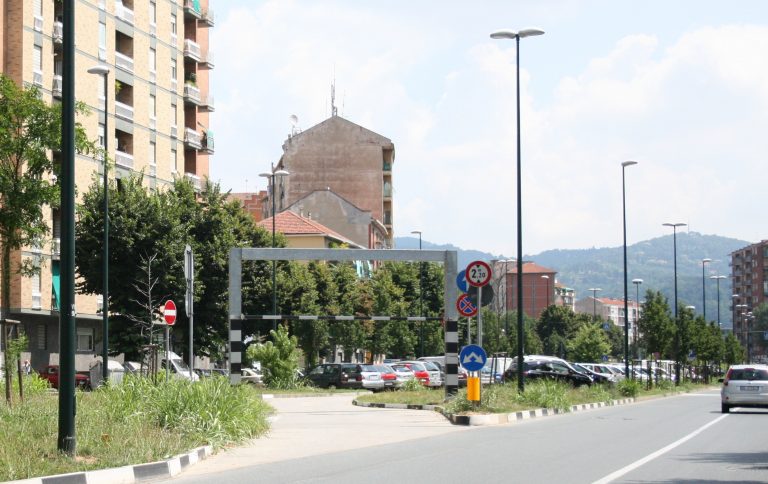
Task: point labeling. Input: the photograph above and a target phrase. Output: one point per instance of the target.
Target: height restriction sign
(478, 273)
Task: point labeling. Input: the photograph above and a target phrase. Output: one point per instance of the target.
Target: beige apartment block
(157, 103)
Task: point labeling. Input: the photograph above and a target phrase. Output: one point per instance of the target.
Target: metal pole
(105, 296)
(624, 165)
(274, 263)
(66, 441)
(520, 331)
(167, 353)
(704, 288)
(479, 316)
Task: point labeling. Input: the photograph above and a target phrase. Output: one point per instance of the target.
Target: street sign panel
(488, 295)
(169, 312)
(461, 281)
(472, 358)
(478, 273)
(465, 306)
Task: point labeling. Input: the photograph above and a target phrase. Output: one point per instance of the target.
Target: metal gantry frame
(236, 317)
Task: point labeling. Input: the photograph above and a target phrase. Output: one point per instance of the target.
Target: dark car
(549, 367)
(337, 375)
(595, 376)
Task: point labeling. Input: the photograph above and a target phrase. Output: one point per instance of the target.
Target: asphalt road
(683, 439)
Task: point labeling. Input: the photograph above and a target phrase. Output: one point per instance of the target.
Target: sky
(681, 87)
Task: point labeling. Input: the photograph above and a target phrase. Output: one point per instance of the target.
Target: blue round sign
(461, 281)
(472, 358)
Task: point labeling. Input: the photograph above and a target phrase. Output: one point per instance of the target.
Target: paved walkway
(310, 426)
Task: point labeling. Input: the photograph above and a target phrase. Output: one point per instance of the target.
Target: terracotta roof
(614, 302)
(531, 268)
(291, 223)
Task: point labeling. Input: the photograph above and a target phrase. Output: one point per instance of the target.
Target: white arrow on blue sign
(461, 281)
(473, 358)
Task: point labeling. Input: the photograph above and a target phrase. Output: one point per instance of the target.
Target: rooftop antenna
(334, 110)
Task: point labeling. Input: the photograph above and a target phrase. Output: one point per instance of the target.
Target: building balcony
(123, 13)
(57, 86)
(194, 179)
(193, 139)
(191, 94)
(208, 142)
(192, 50)
(58, 32)
(192, 9)
(207, 103)
(123, 111)
(123, 62)
(208, 17)
(208, 61)
(123, 159)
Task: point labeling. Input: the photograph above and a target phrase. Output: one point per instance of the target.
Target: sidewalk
(310, 426)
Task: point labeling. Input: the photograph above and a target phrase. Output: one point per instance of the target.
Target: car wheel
(725, 408)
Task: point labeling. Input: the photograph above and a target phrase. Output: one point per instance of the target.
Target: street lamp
(704, 263)
(677, 322)
(624, 165)
(103, 71)
(421, 298)
(594, 301)
(510, 34)
(271, 176)
(717, 278)
(637, 283)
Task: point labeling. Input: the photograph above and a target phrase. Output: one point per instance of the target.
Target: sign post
(169, 315)
(478, 274)
(473, 358)
(189, 275)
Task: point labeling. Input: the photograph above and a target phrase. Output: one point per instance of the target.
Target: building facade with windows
(750, 289)
(157, 101)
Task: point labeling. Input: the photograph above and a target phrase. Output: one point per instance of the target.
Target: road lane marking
(624, 470)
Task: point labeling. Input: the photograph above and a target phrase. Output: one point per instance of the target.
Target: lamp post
(103, 71)
(677, 322)
(271, 176)
(421, 298)
(624, 165)
(717, 278)
(510, 34)
(704, 263)
(594, 301)
(637, 283)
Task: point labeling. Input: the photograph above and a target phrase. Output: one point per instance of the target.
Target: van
(177, 366)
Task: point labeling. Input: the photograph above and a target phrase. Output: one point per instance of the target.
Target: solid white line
(650, 457)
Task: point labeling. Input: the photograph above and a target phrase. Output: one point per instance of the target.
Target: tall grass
(129, 423)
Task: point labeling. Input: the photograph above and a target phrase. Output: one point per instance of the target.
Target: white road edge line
(650, 457)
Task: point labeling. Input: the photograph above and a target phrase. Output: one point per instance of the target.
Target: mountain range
(650, 260)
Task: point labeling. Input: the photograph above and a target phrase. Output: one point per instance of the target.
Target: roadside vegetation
(130, 423)
(504, 398)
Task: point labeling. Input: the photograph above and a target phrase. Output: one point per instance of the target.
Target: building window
(152, 111)
(37, 65)
(152, 18)
(174, 74)
(102, 41)
(42, 337)
(84, 339)
(173, 28)
(101, 135)
(152, 65)
(152, 158)
(36, 282)
(174, 162)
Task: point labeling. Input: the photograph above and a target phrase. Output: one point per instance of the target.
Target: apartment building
(750, 289)
(608, 309)
(538, 286)
(340, 156)
(153, 108)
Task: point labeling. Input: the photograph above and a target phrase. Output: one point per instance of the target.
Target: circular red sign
(465, 306)
(169, 312)
(478, 273)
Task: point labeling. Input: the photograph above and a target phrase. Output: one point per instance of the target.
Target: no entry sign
(169, 312)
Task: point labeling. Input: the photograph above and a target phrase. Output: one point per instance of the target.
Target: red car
(51, 373)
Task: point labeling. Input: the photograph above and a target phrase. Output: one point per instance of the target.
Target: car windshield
(431, 366)
(748, 374)
(417, 367)
(368, 368)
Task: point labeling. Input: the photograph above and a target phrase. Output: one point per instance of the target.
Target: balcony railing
(123, 159)
(123, 111)
(123, 13)
(37, 300)
(192, 50)
(192, 9)
(208, 142)
(37, 78)
(207, 103)
(193, 139)
(123, 62)
(57, 86)
(208, 17)
(38, 23)
(192, 93)
(194, 179)
(209, 59)
(58, 32)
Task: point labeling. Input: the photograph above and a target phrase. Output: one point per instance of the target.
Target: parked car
(419, 371)
(337, 375)
(388, 376)
(251, 376)
(371, 378)
(744, 386)
(435, 374)
(596, 377)
(403, 374)
(51, 373)
(549, 367)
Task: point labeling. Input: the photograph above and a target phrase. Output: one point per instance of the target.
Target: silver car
(744, 386)
(371, 378)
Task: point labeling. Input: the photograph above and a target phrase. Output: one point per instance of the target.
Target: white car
(252, 376)
(744, 386)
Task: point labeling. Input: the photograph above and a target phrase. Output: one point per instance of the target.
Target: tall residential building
(607, 309)
(749, 266)
(158, 103)
(538, 286)
(339, 156)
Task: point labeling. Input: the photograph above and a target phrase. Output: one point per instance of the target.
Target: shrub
(546, 394)
(279, 359)
(629, 387)
(412, 385)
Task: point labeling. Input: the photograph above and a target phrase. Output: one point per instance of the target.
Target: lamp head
(705, 260)
(628, 163)
(281, 173)
(100, 70)
(511, 34)
(637, 281)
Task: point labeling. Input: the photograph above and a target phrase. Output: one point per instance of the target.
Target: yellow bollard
(473, 388)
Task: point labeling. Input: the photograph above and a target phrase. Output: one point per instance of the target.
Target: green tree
(29, 128)
(656, 325)
(590, 343)
(354, 298)
(532, 343)
(556, 326)
(279, 359)
(733, 352)
(759, 327)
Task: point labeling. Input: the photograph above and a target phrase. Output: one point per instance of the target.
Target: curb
(497, 418)
(269, 396)
(127, 474)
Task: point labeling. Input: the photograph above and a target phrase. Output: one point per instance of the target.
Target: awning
(56, 283)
